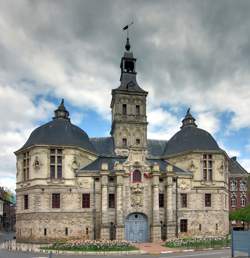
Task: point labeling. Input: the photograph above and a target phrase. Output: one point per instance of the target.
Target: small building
(1, 213)
(7, 210)
(238, 188)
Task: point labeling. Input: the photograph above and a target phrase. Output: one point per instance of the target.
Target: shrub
(205, 242)
(93, 245)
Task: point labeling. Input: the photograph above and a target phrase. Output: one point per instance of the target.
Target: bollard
(50, 255)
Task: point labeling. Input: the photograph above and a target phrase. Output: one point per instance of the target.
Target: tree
(242, 214)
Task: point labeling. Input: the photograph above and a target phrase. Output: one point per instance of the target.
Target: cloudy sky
(189, 54)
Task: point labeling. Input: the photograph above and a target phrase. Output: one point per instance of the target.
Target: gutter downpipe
(176, 199)
(94, 210)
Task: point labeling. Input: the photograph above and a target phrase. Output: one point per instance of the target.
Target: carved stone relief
(136, 195)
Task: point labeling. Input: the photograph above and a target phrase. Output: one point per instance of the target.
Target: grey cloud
(184, 48)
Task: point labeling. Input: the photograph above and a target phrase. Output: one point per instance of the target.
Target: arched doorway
(136, 227)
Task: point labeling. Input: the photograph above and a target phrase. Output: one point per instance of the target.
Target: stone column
(119, 208)
(171, 223)
(104, 203)
(156, 227)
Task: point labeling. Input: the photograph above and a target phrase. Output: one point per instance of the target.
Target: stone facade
(132, 190)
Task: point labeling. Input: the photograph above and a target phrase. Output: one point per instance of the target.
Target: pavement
(4, 236)
(155, 248)
(202, 254)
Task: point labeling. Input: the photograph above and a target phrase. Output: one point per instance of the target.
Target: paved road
(204, 254)
(6, 236)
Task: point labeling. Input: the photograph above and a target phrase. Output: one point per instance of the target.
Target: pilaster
(171, 224)
(119, 208)
(104, 204)
(156, 227)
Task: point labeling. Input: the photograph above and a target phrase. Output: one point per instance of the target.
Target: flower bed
(197, 243)
(92, 246)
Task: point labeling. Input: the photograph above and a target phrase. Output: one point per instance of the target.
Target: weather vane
(127, 28)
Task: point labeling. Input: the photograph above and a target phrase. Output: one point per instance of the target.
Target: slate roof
(129, 84)
(191, 138)
(59, 132)
(96, 165)
(156, 147)
(235, 168)
(104, 146)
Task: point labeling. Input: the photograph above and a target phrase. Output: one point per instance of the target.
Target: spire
(127, 46)
(61, 112)
(188, 120)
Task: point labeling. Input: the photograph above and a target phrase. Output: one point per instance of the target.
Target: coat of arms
(136, 195)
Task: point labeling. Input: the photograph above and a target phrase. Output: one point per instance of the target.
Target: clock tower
(129, 120)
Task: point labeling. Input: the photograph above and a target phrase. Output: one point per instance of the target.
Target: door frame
(146, 221)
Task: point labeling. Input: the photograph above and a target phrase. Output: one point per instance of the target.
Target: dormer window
(137, 110)
(124, 142)
(124, 109)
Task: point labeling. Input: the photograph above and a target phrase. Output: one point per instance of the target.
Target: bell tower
(129, 119)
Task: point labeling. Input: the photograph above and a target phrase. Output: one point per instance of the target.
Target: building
(7, 210)
(238, 189)
(1, 213)
(125, 186)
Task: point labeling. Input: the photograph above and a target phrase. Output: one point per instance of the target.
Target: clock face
(129, 66)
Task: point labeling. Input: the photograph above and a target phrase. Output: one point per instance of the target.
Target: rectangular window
(124, 142)
(208, 200)
(26, 163)
(138, 141)
(26, 201)
(45, 231)
(183, 225)
(86, 200)
(59, 171)
(124, 109)
(55, 163)
(137, 110)
(55, 200)
(183, 200)
(66, 231)
(111, 200)
(161, 200)
(52, 171)
(207, 167)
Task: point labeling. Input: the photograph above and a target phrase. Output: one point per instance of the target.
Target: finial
(188, 120)
(127, 46)
(61, 111)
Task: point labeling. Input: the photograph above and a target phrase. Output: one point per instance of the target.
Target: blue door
(136, 228)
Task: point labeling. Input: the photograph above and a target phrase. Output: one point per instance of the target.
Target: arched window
(136, 176)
